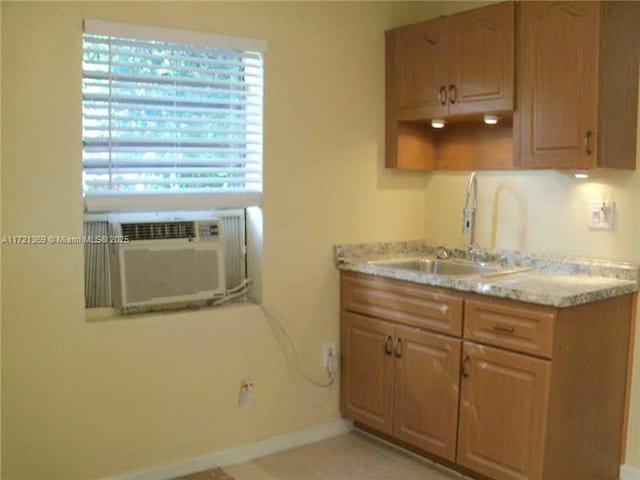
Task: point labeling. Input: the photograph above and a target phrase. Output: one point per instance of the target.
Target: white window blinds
(171, 119)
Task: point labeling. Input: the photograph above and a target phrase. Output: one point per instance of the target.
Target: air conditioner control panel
(208, 230)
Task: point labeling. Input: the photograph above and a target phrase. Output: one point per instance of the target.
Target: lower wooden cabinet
(402, 382)
(503, 408)
(427, 376)
(529, 392)
(367, 371)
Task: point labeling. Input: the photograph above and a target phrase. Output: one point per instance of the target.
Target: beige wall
(83, 400)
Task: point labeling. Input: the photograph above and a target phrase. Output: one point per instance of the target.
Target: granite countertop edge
(556, 282)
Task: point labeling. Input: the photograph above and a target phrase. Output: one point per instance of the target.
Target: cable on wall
(296, 356)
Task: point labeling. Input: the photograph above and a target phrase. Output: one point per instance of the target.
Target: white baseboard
(627, 472)
(240, 454)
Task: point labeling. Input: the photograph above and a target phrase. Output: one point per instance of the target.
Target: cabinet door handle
(465, 371)
(388, 345)
(398, 349)
(453, 94)
(587, 142)
(500, 328)
(442, 95)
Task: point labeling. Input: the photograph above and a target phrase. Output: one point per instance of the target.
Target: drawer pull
(465, 372)
(501, 329)
(388, 345)
(398, 349)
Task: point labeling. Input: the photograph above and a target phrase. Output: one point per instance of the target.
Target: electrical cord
(296, 357)
(241, 290)
(235, 292)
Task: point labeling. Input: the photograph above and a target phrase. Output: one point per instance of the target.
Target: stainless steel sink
(436, 266)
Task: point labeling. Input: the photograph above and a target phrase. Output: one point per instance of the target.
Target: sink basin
(436, 266)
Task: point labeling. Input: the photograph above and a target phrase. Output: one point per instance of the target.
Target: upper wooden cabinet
(422, 70)
(453, 65)
(481, 60)
(578, 84)
(575, 88)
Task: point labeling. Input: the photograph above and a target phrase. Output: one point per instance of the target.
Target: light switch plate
(601, 214)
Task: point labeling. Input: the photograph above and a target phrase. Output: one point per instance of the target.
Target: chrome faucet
(469, 212)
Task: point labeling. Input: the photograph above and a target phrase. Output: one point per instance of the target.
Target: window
(171, 119)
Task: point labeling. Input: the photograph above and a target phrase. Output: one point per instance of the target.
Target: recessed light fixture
(581, 174)
(438, 123)
(491, 119)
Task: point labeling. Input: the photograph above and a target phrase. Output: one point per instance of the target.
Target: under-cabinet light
(438, 123)
(581, 174)
(491, 119)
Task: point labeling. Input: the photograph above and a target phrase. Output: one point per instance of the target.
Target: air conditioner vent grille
(158, 230)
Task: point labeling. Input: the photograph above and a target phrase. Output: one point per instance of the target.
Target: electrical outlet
(601, 214)
(246, 391)
(328, 352)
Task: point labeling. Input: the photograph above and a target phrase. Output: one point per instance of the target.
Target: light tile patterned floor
(349, 457)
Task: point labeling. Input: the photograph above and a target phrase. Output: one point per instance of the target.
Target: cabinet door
(481, 62)
(503, 407)
(558, 61)
(427, 377)
(367, 371)
(422, 70)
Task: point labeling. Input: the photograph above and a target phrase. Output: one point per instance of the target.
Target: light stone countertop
(556, 281)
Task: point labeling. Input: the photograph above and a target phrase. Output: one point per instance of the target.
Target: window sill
(109, 314)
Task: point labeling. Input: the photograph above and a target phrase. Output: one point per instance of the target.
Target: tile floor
(349, 457)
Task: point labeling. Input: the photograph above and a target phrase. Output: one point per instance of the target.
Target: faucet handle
(442, 253)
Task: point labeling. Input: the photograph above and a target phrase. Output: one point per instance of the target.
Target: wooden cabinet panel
(367, 371)
(482, 59)
(411, 304)
(523, 328)
(558, 52)
(427, 377)
(503, 409)
(422, 69)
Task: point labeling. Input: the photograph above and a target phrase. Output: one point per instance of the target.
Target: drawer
(403, 302)
(522, 328)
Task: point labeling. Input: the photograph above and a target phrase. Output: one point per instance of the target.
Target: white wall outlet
(246, 391)
(330, 356)
(601, 214)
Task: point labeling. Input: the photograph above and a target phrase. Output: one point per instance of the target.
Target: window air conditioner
(167, 264)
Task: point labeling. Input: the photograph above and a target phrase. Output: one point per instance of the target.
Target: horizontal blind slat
(195, 131)
(157, 110)
(168, 68)
(169, 181)
(209, 121)
(183, 170)
(152, 79)
(154, 100)
(151, 44)
(160, 163)
(176, 149)
(104, 84)
(161, 54)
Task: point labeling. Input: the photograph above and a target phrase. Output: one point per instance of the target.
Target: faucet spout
(470, 211)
